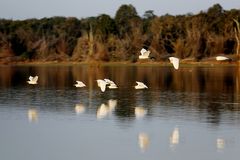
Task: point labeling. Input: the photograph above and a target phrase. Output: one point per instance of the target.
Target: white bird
(221, 58)
(174, 61)
(140, 85)
(32, 80)
(112, 85)
(79, 84)
(144, 54)
(140, 112)
(108, 81)
(102, 84)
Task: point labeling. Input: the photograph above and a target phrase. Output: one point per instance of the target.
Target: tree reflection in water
(210, 92)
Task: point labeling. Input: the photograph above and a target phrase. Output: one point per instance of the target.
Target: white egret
(79, 84)
(140, 85)
(143, 141)
(32, 80)
(102, 84)
(108, 81)
(140, 112)
(144, 54)
(174, 61)
(112, 85)
(222, 58)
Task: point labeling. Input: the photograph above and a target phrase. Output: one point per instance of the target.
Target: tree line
(194, 36)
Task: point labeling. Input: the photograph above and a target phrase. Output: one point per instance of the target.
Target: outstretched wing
(102, 84)
(103, 87)
(80, 83)
(143, 50)
(108, 81)
(141, 84)
(175, 62)
(30, 78)
(147, 53)
(34, 79)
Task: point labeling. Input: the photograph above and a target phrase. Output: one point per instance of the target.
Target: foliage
(120, 38)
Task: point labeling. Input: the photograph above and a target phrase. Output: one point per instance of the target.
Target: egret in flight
(110, 84)
(140, 85)
(222, 58)
(79, 84)
(144, 54)
(175, 62)
(32, 80)
(102, 84)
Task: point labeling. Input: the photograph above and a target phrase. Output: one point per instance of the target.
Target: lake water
(190, 113)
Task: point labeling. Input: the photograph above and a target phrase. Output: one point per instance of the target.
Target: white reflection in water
(105, 110)
(140, 112)
(79, 108)
(220, 144)
(112, 103)
(174, 138)
(102, 111)
(143, 141)
(32, 115)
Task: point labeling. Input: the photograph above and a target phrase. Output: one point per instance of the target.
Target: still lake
(190, 113)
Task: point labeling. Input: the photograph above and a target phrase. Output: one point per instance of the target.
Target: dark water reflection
(187, 112)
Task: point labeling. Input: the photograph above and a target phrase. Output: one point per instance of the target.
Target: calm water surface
(192, 113)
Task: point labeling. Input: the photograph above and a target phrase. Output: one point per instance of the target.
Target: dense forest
(103, 38)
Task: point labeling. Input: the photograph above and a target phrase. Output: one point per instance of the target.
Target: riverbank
(204, 62)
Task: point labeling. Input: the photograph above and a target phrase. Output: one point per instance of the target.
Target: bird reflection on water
(79, 108)
(143, 141)
(106, 109)
(32, 115)
(174, 138)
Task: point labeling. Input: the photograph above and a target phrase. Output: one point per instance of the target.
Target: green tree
(124, 15)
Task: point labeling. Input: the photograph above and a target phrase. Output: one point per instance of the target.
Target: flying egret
(112, 85)
(144, 54)
(222, 58)
(102, 84)
(108, 81)
(32, 80)
(175, 62)
(79, 84)
(140, 85)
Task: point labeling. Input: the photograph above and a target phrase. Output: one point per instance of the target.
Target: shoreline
(120, 63)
